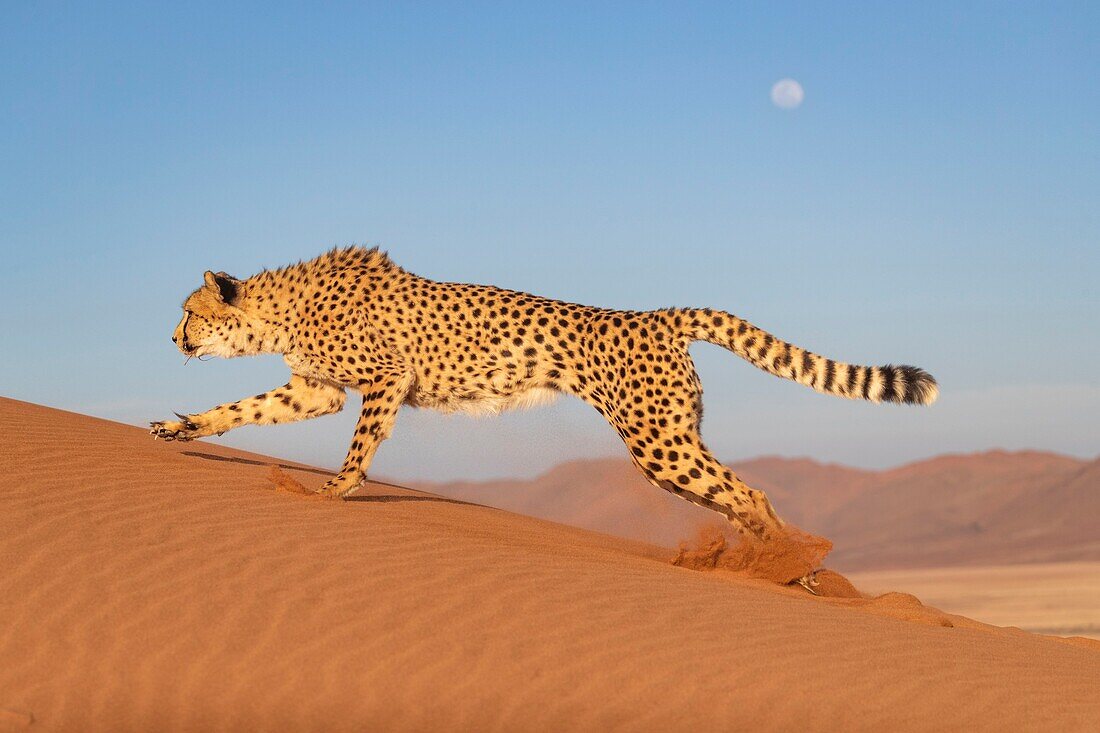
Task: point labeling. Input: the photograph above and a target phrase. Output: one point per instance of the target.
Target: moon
(787, 94)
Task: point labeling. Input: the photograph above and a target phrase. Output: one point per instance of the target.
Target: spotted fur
(351, 318)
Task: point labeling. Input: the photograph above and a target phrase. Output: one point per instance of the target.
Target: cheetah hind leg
(698, 477)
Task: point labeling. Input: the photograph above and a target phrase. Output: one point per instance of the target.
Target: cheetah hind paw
(809, 581)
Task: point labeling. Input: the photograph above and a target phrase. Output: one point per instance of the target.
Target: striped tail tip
(907, 385)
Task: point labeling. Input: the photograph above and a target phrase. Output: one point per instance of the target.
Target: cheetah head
(213, 322)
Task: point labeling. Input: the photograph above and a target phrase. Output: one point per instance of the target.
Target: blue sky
(933, 201)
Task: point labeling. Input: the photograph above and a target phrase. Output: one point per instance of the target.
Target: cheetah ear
(223, 285)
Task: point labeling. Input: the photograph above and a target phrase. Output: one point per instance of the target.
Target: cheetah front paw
(169, 430)
(338, 487)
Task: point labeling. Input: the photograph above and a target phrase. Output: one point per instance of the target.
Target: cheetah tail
(903, 384)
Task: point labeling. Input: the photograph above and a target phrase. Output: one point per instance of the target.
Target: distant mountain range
(996, 507)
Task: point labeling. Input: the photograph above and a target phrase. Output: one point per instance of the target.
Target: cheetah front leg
(301, 398)
(382, 398)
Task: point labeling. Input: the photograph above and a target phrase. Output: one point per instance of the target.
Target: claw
(186, 421)
(809, 581)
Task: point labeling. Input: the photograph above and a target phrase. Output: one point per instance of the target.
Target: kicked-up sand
(187, 587)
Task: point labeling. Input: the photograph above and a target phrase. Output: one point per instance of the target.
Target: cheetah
(353, 319)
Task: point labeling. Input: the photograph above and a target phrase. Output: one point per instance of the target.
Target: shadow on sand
(375, 498)
(387, 498)
(250, 462)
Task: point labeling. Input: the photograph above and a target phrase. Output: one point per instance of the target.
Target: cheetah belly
(483, 403)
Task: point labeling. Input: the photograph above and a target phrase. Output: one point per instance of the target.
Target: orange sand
(790, 556)
(150, 586)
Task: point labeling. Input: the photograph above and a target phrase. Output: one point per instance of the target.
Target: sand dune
(150, 586)
(983, 509)
(1047, 598)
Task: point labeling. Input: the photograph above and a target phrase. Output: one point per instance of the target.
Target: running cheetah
(351, 318)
